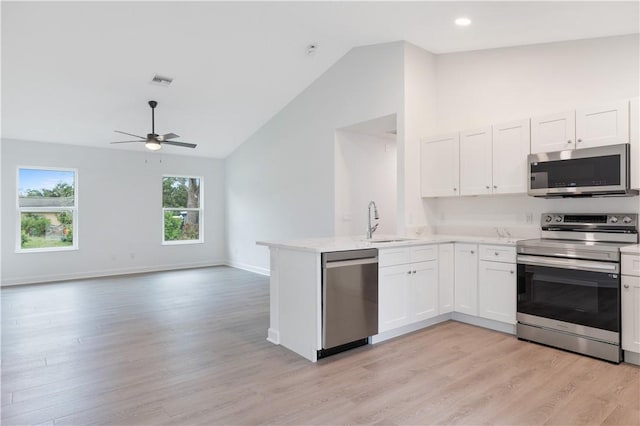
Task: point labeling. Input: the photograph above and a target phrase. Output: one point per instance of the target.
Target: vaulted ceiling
(72, 72)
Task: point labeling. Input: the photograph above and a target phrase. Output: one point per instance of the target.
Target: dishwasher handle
(352, 262)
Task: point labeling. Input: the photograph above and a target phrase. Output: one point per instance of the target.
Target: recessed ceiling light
(463, 22)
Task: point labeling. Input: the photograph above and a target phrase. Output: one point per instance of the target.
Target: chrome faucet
(372, 229)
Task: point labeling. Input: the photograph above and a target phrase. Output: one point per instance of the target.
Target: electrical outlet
(529, 218)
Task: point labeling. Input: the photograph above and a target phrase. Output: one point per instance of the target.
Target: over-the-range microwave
(598, 171)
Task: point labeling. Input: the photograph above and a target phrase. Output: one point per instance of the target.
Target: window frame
(199, 209)
(21, 210)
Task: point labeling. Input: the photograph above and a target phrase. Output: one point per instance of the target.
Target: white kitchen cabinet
(631, 313)
(475, 162)
(634, 139)
(497, 291)
(553, 132)
(440, 166)
(631, 306)
(602, 125)
(510, 147)
(583, 128)
(424, 280)
(466, 278)
(393, 297)
(407, 291)
(446, 267)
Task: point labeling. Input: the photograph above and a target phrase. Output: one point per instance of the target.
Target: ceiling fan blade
(127, 141)
(182, 144)
(130, 134)
(169, 136)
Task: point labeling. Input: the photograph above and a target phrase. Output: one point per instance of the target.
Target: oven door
(585, 293)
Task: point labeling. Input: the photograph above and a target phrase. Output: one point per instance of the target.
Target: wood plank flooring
(188, 347)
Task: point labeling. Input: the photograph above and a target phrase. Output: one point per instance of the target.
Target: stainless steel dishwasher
(349, 299)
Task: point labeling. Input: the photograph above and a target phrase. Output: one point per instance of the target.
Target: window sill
(182, 242)
(46, 249)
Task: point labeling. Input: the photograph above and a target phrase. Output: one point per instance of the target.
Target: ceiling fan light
(153, 145)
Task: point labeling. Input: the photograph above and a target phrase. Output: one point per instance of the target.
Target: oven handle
(580, 265)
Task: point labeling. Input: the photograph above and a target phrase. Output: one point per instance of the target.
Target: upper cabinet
(553, 132)
(634, 139)
(603, 125)
(493, 160)
(440, 166)
(510, 149)
(584, 128)
(475, 162)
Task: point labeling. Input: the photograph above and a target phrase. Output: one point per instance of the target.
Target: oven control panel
(619, 220)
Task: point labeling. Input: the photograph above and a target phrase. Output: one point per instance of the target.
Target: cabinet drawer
(498, 253)
(394, 256)
(630, 265)
(424, 253)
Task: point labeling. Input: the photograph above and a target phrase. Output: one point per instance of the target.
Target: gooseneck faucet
(372, 229)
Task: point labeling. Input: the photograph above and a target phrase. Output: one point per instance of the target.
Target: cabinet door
(445, 278)
(634, 139)
(511, 145)
(603, 125)
(425, 290)
(497, 291)
(631, 313)
(393, 297)
(554, 132)
(466, 279)
(440, 166)
(475, 162)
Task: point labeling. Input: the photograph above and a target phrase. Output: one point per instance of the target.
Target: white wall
(280, 182)
(419, 97)
(120, 219)
(491, 86)
(365, 170)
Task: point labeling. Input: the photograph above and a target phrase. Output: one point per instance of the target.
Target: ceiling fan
(154, 141)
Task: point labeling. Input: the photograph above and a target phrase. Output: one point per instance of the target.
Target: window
(182, 211)
(47, 209)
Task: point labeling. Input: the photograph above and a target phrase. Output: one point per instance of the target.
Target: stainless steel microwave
(598, 171)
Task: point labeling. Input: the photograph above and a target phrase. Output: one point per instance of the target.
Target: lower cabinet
(497, 291)
(631, 313)
(407, 292)
(466, 278)
(422, 282)
(446, 270)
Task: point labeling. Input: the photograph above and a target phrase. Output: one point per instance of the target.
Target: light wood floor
(188, 347)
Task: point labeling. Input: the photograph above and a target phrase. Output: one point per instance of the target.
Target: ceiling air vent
(161, 80)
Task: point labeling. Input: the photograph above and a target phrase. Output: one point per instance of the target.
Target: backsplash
(511, 215)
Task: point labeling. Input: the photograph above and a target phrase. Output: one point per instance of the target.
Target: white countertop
(321, 245)
(634, 249)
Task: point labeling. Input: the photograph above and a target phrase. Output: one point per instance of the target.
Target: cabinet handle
(569, 141)
(579, 140)
(455, 189)
(495, 186)
(408, 272)
(496, 253)
(472, 251)
(414, 272)
(626, 286)
(511, 272)
(487, 186)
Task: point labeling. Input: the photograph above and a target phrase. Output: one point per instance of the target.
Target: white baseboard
(386, 335)
(250, 268)
(632, 357)
(484, 323)
(40, 279)
(273, 336)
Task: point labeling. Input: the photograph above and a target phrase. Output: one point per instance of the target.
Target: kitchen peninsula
(418, 284)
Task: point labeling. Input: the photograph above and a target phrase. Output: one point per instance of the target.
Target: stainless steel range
(569, 282)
